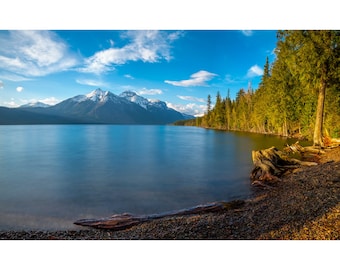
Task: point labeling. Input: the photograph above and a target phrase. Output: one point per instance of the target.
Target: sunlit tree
(313, 57)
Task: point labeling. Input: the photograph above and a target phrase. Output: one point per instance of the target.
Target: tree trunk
(317, 138)
(285, 128)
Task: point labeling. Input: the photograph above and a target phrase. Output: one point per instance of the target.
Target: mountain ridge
(96, 107)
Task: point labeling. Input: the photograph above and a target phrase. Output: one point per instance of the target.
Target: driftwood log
(125, 221)
(297, 148)
(270, 164)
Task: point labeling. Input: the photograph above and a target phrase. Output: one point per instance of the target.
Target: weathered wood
(125, 221)
(270, 164)
(297, 148)
(331, 143)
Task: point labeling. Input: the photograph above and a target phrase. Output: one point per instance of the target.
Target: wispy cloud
(13, 77)
(254, 71)
(232, 80)
(1, 84)
(247, 33)
(129, 76)
(190, 98)
(197, 79)
(33, 53)
(146, 46)
(150, 92)
(91, 82)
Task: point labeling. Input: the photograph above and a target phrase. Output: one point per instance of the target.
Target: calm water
(52, 175)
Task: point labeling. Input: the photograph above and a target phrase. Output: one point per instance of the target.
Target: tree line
(299, 93)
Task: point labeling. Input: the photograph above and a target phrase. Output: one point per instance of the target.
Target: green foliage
(187, 122)
(218, 115)
(286, 101)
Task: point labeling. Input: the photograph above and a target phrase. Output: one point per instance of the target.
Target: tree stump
(270, 164)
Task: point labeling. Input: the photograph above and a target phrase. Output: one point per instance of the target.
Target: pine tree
(266, 73)
(219, 113)
(313, 57)
(208, 104)
(207, 117)
(227, 106)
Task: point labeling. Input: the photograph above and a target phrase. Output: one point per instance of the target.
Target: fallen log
(125, 221)
(270, 164)
(297, 148)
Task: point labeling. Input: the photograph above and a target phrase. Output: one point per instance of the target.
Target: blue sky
(180, 67)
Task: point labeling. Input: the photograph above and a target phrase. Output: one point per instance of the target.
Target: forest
(298, 96)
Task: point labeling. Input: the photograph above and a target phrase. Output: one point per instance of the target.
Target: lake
(53, 175)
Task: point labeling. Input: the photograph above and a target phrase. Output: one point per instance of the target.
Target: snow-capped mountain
(133, 97)
(98, 96)
(158, 108)
(143, 102)
(101, 107)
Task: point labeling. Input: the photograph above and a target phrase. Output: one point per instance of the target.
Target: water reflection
(69, 172)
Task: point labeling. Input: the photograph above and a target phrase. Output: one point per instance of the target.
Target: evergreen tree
(219, 113)
(313, 57)
(266, 73)
(206, 118)
(228, 107)
(208, 104)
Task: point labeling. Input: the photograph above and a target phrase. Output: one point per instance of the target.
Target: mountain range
(97, 107)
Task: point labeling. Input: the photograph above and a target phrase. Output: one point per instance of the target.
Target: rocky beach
(304, 205)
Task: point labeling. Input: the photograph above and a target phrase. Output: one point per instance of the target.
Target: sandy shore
(304, 205)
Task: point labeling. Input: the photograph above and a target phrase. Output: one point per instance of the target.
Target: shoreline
(303, 206)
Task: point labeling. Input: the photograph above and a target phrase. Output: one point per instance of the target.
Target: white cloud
(229, 79)
(50, 100)
(147, 46)
(34, 53)
(20, 89)
(11, 104)
(1, 84)
(197, 79)
(247, 33)
(90, 82)
(129, 76)
(13, 77)
(190, 98)
(150, 92)
(191, 108)
(255, 71)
